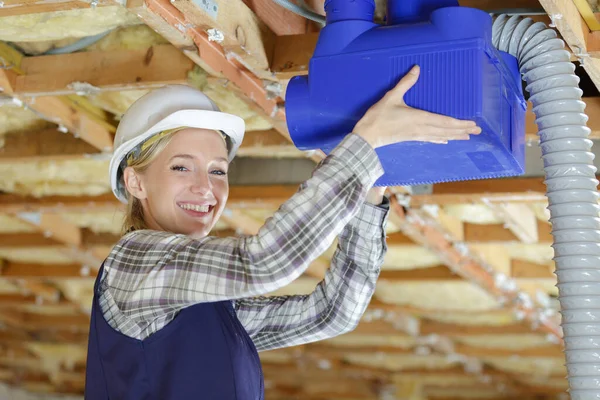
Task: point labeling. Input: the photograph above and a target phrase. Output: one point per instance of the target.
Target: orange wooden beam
(426, 232)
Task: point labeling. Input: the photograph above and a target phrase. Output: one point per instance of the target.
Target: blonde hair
(149, 150)
(134, 214)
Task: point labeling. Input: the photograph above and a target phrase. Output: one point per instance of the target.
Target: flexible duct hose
(571, 189)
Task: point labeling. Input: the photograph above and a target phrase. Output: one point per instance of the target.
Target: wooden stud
(43, 144)
(26, 7)
(78, 123)
(103, 70)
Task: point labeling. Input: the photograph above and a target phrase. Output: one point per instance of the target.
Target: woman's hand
(375, 195)
(391, 121)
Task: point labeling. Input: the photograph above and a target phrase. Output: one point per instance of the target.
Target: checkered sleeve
(151, 274)
(339, 300)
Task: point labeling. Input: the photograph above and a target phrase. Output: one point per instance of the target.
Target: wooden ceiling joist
(25, 7)
(95, 71)
(427, 232)
(64, 112)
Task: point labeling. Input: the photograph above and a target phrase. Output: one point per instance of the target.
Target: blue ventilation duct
(462, 75)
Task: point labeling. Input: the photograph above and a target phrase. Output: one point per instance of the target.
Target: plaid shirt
(150, 276)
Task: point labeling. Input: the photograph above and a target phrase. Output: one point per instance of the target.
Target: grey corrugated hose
(571, 185)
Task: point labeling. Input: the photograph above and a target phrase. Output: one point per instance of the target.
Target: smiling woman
(178, 314)
(178, 183)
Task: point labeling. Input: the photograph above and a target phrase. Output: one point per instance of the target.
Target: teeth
(194, 207)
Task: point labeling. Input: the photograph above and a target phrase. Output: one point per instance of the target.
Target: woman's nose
(201, 184)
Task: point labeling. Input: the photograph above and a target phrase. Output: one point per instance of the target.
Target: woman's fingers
(407, 82)
(444, 121)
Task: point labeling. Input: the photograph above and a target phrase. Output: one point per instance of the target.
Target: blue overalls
(204, 353)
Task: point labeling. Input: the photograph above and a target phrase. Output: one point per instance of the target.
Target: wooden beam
(43, 144)
(158, 13)
(531, 189)
(43, 271)
(81, 125)
(233, 25)
(64, 112)
(427, 232)
(278, 19)
(25, 7)
(576, 34)
(96, 71)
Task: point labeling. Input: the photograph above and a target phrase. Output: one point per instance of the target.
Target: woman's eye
(178, 168)
(219, 172)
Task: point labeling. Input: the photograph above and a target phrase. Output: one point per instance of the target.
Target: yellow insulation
(64, 24)
(455, 295)
(65, 177)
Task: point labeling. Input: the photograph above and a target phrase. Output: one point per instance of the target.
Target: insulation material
(488, 319)
(505, 341)
(10, 224)
(136, 37)
(541, 211)
(37, 255)
(398, 362)
(98, 222)
(409, 257)
(7, 287)
(526, 365)
(50, 309)
(536, 253)
(53, 355)
(18, 119)
(227, 100)
(62, 177)
(116, 102)
(354, 339)
(79, 291)
(547, 286)
(455, 295)
(64, 24)
(473, 213)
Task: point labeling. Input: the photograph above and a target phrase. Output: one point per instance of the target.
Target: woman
(178, 314)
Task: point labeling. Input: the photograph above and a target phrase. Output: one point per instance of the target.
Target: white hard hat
(169, 107)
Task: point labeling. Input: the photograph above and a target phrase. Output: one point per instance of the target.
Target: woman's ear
(133, 183)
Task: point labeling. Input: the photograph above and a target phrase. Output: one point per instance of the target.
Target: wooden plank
(211, 55)
(240, 31)
(79, 124)
(531, 189)
(43, 144)
(278, 19)
(54, 226)
(437, 273)
(292, 53)
(25, 7)
(50, 271)
(103, 70)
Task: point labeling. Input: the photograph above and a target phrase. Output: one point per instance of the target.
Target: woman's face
(185, 188)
